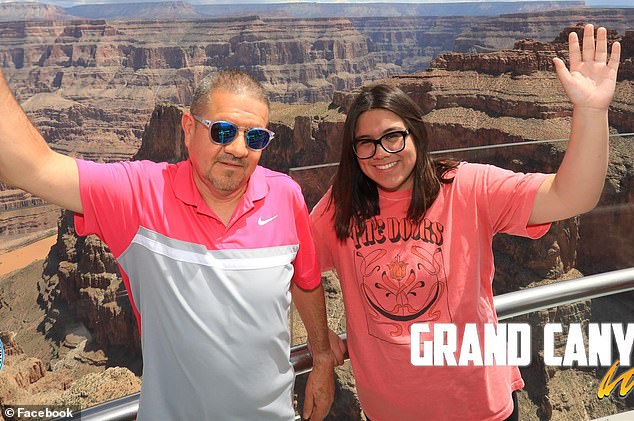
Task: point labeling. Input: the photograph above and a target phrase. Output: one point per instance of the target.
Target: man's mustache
(228, 159)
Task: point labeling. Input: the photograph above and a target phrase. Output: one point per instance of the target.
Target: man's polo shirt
(212, 301)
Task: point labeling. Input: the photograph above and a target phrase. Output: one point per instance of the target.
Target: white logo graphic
(265, 221)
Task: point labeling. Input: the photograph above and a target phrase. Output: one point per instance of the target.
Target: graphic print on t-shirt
(401, 276)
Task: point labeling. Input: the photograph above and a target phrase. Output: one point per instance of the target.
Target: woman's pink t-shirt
(439, 271)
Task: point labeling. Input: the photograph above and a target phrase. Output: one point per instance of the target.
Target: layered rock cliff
(298, 60)
(25, 380)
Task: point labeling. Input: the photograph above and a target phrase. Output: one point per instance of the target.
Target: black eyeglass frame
(245, 131)
(379, 141)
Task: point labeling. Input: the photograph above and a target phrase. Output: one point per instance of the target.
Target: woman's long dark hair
(354, 195)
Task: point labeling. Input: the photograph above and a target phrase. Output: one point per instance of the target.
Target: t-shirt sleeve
(110, 209)
(508, 199)
(322, 227)
(307, 274)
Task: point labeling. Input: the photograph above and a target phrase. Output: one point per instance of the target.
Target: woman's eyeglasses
(391, 142)
(223, 133)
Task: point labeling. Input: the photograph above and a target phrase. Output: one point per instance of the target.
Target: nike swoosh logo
(265, 221)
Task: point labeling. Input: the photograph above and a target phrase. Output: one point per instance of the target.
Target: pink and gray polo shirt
(212, 301)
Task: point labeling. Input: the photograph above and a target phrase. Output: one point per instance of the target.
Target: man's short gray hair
(232, 81)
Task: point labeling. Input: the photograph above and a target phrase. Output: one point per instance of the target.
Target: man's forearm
(311, 306)
(320, 389)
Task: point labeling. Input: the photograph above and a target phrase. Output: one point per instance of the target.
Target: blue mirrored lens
(258, 138)
(223, 132)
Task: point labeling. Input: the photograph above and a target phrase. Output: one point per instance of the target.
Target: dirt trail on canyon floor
(24, 256)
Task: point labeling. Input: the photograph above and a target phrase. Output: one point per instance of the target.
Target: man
(211, 250)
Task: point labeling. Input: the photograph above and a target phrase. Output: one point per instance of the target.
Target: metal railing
(471, 149)
(542, 297)
(506, 305)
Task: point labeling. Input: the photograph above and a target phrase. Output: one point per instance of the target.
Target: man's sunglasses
(223, 133)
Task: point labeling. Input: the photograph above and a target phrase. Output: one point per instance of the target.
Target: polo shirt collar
(186, 191)
(258, 187)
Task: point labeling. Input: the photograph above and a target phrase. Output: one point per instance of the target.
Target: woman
(410, 238)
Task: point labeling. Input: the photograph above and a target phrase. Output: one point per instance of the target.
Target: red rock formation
(95, 388)
(626, 71)
(311, 140)
(317, 55)
(314, 181)
(528, 56)
(163, 138)
(82, 283)
(11, 347)
(25, 380)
